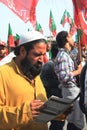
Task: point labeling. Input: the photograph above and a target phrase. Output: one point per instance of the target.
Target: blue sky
(42, 13)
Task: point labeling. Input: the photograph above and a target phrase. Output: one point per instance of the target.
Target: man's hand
(69, 110)
(35, 106)
(64, 115)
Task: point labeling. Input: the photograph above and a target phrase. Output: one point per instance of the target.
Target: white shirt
(7, 59)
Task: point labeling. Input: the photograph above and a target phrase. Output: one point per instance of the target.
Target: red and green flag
(52, 25)
(10, 37)
(17, 38)
(38, 27)
(66, 18)
(73, 28)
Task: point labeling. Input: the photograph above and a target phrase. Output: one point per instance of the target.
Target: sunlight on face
(37, 53)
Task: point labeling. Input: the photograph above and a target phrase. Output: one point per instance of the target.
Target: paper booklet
(53, 108)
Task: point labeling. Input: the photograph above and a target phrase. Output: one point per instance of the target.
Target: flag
(26, 10)
(79, 35)
(52, 25)
(80, 18)
(10, 37)
(66, 18)
(73, 28)
(17, 38)
(33, 11)
(38, 27)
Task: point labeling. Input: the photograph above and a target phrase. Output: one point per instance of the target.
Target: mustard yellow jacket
(16, 92)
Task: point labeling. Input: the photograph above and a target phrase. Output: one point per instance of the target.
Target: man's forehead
(39, 50)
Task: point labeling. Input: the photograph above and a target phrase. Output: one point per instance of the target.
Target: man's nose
(41, 58)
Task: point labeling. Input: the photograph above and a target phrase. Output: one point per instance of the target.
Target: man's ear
(22, 51)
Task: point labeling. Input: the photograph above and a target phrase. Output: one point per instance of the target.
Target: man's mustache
(38, 64)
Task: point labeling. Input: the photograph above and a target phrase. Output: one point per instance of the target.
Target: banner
(80, 18)
(26, 10)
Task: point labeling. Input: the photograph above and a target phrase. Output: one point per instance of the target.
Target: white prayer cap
(31, 36)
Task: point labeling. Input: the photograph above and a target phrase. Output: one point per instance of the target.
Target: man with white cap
(3, 50)
(21, 90)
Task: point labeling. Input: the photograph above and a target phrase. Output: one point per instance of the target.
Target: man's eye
(37, 54)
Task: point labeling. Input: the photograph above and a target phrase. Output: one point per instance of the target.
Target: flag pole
(50, 40)
(79, 46)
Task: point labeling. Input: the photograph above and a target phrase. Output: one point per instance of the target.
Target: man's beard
(30, 70)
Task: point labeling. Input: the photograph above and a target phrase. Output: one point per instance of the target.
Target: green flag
(38, 27)
(17, 37)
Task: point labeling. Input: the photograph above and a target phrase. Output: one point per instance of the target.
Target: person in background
(50, 81)
(22, 93)
(11, 54)
(74, 51)
(48, 54)
(48, 75)
(3, 50)
(84, 53)
(66, 72)
(7, 58)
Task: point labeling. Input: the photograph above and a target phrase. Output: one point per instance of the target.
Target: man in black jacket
(82, 95)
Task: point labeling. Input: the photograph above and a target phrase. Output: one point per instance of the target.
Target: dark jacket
(82, 85)
(50, 80)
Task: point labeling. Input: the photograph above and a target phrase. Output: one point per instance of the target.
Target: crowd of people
(37, 70)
